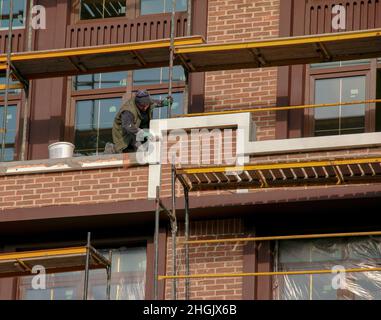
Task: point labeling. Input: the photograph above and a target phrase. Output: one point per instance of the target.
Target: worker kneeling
(131, 124)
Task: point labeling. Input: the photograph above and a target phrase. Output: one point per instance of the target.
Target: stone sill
(68, 164)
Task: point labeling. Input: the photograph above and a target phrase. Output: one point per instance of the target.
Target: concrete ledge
(68, 164)
(285, 146)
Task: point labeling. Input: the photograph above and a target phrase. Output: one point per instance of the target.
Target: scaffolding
(85, 258)
(196, 56)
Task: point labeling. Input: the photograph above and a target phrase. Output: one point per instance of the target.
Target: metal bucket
(61, 150)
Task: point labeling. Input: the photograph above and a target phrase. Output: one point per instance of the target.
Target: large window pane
(100, 81)
(128, 278)
(10, 136)
(100, 9)
(93, 124)
(340, 119)
(177, 106)
(161, 6)
(19, 8)
(157, 76)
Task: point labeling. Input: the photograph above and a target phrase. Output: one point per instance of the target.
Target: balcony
(116, 31)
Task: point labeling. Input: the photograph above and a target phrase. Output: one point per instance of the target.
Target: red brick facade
(243, 20)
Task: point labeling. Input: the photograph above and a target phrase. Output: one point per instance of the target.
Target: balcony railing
(124, 30)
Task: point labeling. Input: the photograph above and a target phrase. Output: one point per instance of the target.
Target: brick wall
(209, 258)
(74, 187)
(243, 20)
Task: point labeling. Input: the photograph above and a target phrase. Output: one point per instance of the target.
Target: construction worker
(133, 117)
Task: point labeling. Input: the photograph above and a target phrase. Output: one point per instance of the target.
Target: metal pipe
(189, 27)
(187, 268)
(262, 274)
(292, 237)
(267, 109)
(87, 267)
(109, 271)
(171, 57)
(27, 90)
(156, 245)
(8, 75)
(174, 231)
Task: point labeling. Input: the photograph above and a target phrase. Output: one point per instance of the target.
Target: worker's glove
(167, 101)
(144, 135)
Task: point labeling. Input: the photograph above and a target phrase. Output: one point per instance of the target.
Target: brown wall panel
(48, 95)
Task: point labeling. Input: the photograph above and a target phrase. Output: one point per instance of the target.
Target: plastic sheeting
(319, 254)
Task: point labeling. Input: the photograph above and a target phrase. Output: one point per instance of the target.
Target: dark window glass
(177, 107)
(93, 124)
(10, 137)
(341, 119)
(101, 9)
(100, 81)
(161, 6)
(128, 278)
(157, 76)
(19, 8)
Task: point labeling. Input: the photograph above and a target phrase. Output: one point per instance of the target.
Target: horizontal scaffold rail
(273, 273)
(358, 170)
(53, 260)
(284, 108)
(282, 51)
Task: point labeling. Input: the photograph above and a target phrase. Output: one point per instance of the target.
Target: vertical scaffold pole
(87, 267)
(174, 232)
(156, 244)
(171, 58)
(109, 270)
(27, 90)
(187, 268)
(189, 24)
(7, 80)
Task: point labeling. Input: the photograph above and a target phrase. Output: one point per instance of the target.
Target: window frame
(339, 72)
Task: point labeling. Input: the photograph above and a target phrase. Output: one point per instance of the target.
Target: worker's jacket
(121, 139)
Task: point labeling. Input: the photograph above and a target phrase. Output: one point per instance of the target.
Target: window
(161, 6)
(19, 11)
(10, 137)
(96, 99)
(157, 76)
(93, 124)
(341, 119)
(101, 9)
(10, 91)
(324, 254)
(100, 81)
(128, 278)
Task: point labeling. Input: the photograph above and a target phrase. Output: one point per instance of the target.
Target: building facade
(53, 203)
